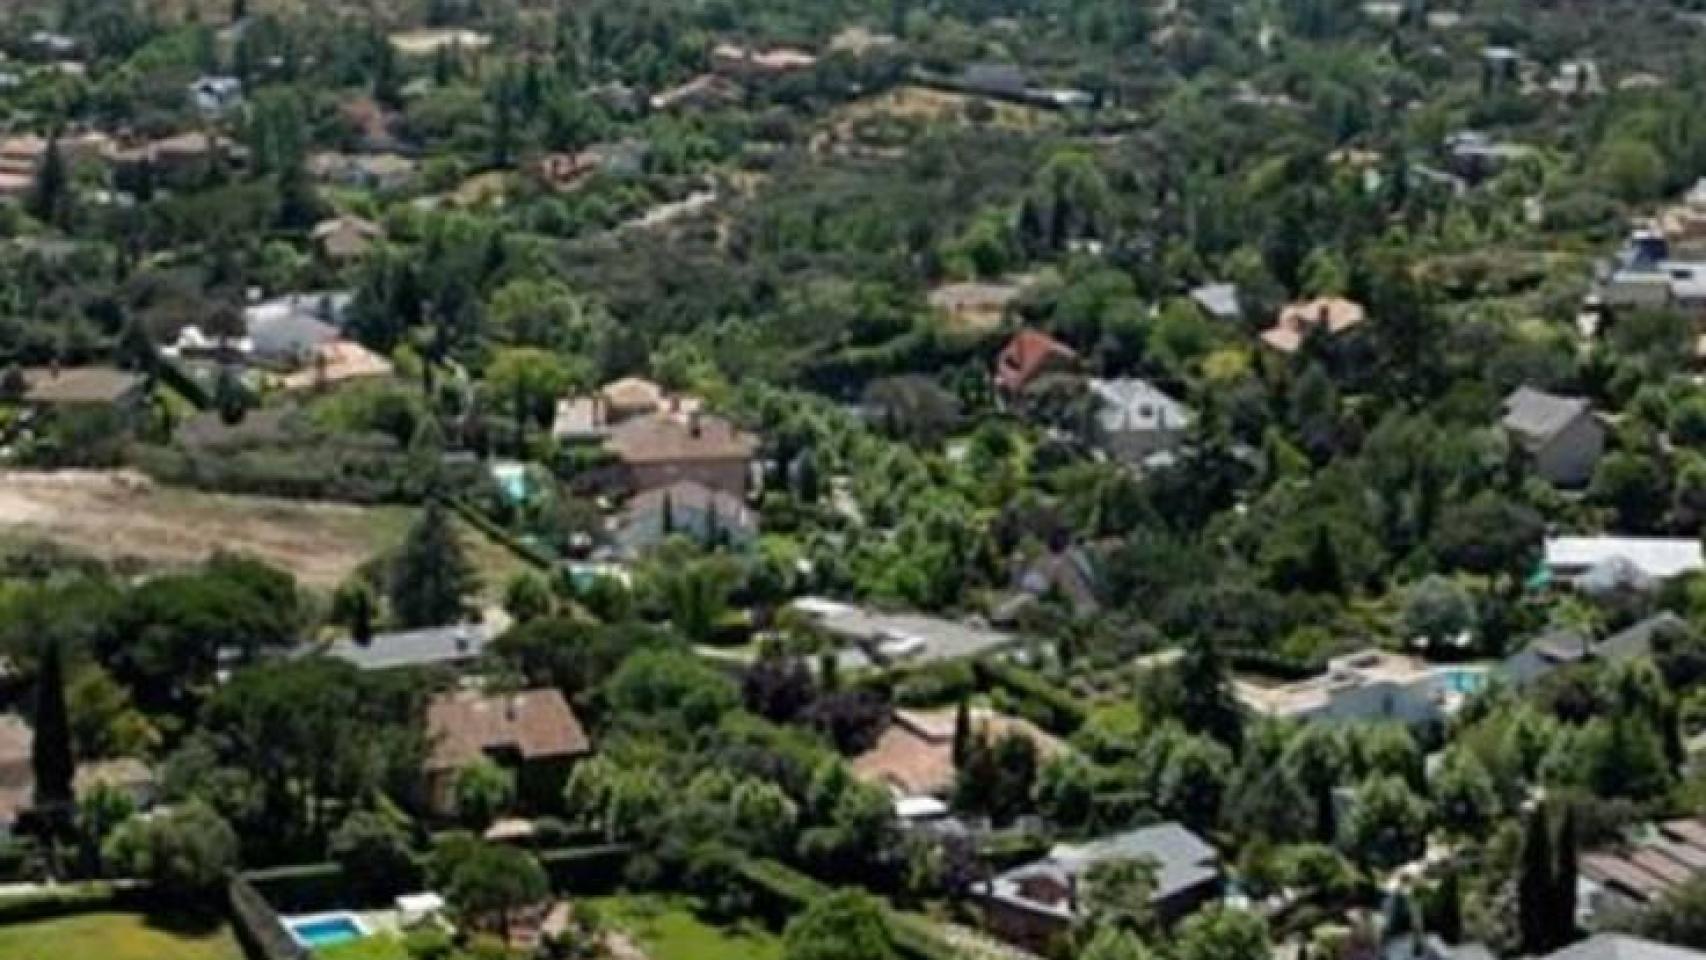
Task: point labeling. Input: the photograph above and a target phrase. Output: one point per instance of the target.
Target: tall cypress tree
(52, 761)
(431, 574)
(1563, 925)
(962, 733)
(1534, 885)
(50, 200)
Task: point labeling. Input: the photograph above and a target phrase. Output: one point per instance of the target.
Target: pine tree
(1534, 885)
(51, 759)
(1321, 572)
(430, 575)
(1447, 920)
(1206, 706)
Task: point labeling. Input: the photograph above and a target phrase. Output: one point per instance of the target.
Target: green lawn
(115, 936)
(668, 929)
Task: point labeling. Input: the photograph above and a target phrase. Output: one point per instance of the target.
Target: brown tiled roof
(915, 755)
(663, 439)
(537, 724)
(1027, 356)
(78, 384)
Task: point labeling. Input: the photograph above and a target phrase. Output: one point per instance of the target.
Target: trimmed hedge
(916, 936)
(67, 901)
(587, 871)
(1049, 705)
(530, 555)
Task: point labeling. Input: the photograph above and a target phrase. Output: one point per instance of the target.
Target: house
(1133, 420)
(1004, 81)
(594, 417)
(1032, 905)
(666, 448)
(977, 305)
(181, 157)
(216, 96)
(290, 330)
(914, 757)
(345, 239)
(531, 732)
(1220, 301)
(127, 775)
(1028, 357)
(1068, 573)
(1474, 156)
(83, 387)
(1633, 875)
(702, 92)
(732, 60)
(876, 637)
(1561, 435)
(364, 171)
(1577, 78)
(1567, 646)
(1369, 685)
(687, 509)
(337, 361)
(1297, 321)
(1660, 558)
(456, 646)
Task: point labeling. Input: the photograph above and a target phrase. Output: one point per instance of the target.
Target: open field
(123, 517)
(942, 106)
(114, 936)
(667, 928)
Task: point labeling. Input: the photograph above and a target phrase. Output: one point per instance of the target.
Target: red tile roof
(1028, 355)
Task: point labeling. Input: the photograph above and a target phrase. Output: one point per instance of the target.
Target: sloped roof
(537, 724)
(1130, 405)
(1185, 861)
(1026, 356)
(1536, 416)
(1296, 321)
(731, 510)
(663, 439)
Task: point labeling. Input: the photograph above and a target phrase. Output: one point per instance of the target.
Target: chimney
(1325, 313)
(694, 427)
(674, 403)
(512, 707)
(463, 641)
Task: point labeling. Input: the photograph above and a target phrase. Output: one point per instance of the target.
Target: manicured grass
(380, 946)
(116, 936)
(668, 928)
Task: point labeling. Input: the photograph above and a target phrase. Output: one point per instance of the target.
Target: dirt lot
(122, 516)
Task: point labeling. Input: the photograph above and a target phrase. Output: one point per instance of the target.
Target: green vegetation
(670, 928)
(119, 936)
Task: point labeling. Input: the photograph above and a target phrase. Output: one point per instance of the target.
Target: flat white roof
(1660, 557)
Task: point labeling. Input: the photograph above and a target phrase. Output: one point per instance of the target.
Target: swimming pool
(1463, 680)
(326, 929)
(512, 479)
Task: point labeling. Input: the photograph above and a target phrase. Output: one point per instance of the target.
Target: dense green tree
(186, 851)
(373, 850)
(430, 573)
(845, 925)
(50, 757)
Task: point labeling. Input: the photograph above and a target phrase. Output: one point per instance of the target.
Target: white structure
(1658, 557)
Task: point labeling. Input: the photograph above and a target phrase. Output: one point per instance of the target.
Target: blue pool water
(1466, 682)
(326, 932)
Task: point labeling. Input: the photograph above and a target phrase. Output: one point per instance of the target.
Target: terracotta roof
(1334, 314)
(537, 724)
(661, 438)
(1028, 355)
(915, 755)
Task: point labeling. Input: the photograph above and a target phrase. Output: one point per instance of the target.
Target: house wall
(1132, 447)
(728, 476)
(646, 530)
(1569, 460)
(1023, 928)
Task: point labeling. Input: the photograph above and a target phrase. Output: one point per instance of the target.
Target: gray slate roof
(433, 646)
(1185, 860)
(1617, 946)
(1537, 416)
(1129, 405)
(1219, 299)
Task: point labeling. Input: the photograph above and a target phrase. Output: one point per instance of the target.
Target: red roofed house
(915, 756)
(1332, 315)
(684, 446)
(1029, 356)
(531, 732)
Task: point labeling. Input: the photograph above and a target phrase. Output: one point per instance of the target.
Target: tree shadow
(184, 922)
